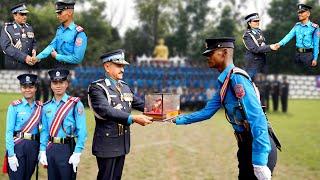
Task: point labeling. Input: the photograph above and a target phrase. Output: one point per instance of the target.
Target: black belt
(303, 50)
(27, 136)
(59, 140)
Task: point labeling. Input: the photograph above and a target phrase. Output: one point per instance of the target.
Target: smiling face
(28, 91)
(20, 18)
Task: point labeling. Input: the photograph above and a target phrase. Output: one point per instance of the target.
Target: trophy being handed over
(162, 106)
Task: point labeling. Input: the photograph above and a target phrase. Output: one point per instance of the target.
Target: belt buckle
(27, 136)
(56, 140)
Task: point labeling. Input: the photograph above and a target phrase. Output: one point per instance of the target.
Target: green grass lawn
(205, 150)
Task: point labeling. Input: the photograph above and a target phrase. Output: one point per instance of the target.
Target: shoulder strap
(61, 114)
(16, 102)
(254, 39)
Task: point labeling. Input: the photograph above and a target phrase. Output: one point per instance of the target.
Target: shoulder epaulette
(97, 81)
(315, 25)
(79, 28)
(8, 23)
(16, 102)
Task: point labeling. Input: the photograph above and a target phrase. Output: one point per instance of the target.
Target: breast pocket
(68, 46)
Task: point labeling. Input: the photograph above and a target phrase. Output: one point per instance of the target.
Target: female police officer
(22, 134)
(256, 47)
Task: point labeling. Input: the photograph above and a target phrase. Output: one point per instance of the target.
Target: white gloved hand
(262, 172)
(43, 158)
(13, 163)
(75, 160)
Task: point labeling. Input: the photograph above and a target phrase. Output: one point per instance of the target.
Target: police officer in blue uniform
(69, 45)
(237, 93)
(22, 133)
(17, 40)
(63, 121)
(111, 100)
(307, 38)
(256, 47)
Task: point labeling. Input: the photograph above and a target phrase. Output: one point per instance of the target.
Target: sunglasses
(23, 14)
(255, 20)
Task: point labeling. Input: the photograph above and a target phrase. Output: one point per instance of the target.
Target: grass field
(205, 150)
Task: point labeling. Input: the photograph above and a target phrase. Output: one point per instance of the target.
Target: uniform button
(124, 107)
(107, 134)
(125, 131)
(28, 49)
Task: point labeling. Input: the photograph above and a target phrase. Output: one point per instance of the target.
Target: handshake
(32, 60)
(275, 46)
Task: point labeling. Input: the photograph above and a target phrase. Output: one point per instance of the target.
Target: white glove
(262, 172)
(74, 160)
(43, 158)
(13, 163)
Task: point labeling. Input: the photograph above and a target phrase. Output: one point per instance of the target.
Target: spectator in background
(284, 93)
(275, 92)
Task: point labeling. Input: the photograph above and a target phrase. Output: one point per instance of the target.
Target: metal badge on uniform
(78, 41)
(57, 73)
(27, 79)
(239, 91)
(128, 96)
(30, 35)
(23, 35)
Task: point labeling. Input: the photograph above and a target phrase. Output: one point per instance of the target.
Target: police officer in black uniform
(284, 93)
(17, 40)
(255, 44)
(111, 100)
(275, 93)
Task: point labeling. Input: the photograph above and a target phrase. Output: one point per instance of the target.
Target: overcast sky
(122, 13)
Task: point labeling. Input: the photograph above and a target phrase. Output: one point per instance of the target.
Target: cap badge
(27, 78)
(57, 73)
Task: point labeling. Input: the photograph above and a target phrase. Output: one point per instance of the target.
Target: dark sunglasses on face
(23, 14)
(255, 20)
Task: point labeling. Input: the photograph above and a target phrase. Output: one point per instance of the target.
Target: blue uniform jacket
(17, 116)
(70, 44)
(307, 36)
(75, 118)
(11, 33)
(254, 114)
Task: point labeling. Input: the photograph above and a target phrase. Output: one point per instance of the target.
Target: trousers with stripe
(58, 162)
(27, 154)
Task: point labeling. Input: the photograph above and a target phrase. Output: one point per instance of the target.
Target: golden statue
(161, 51)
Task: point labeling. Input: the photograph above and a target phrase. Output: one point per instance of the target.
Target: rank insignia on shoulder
(79, 28)
(315, 25)
(239, 91)
(16, 102)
